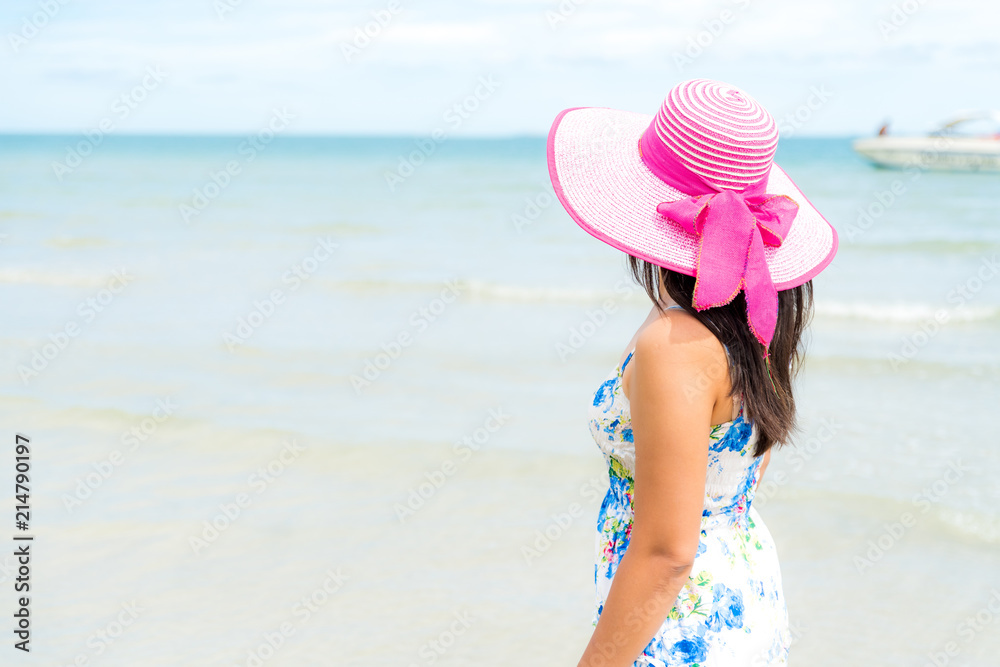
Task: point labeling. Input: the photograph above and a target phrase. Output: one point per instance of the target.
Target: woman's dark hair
(768, 401)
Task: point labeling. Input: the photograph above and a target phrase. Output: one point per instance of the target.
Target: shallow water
(465, 290)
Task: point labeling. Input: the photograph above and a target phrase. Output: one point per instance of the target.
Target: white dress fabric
(731, 612)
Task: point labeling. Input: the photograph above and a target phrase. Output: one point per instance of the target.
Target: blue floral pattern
(731, 611)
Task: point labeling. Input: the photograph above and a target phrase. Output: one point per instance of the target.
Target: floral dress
(731, 611)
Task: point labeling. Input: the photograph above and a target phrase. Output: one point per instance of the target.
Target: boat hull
(939, 153)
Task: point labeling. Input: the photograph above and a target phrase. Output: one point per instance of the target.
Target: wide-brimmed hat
(694, 189)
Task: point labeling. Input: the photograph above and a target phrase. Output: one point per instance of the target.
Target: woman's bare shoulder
(676, 336)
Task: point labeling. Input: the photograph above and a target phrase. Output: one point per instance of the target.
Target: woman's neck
(665, 298)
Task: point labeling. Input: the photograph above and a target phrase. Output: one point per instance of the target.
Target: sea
(322, 401)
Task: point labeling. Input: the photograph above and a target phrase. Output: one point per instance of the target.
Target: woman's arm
(671, 410)
(763, 466)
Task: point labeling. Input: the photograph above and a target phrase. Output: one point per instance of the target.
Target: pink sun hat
(694, 189)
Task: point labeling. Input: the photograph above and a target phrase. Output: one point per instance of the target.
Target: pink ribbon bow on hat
(732, 229)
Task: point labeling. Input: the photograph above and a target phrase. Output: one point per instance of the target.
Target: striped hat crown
(718, 132)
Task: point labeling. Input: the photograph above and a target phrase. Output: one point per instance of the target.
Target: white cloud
(606, 52)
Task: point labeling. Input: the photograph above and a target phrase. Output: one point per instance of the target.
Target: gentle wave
(77, 242)
(935, 246)
(903, 313)
(477, 289)
(49, 279)
(976, 525)
(949, 522)
(19, 215)
(482, 290)
(629, 292)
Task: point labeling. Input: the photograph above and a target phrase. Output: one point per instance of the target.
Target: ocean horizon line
(310, 135)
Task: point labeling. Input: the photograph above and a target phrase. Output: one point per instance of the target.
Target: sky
(822, 67)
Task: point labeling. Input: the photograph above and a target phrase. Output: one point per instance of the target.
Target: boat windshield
(981, 125)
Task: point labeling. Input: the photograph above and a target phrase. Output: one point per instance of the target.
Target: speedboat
(970, 142)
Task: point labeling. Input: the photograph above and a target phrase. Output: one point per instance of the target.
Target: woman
(726, 246)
